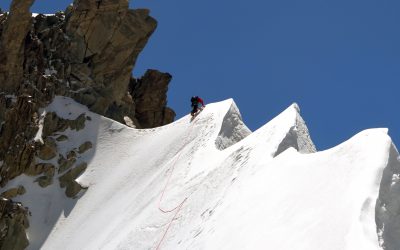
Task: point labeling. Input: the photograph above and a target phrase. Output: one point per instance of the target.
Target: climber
(196, 101)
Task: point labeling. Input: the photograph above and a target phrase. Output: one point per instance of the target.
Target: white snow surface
(232, 189)
(36, 14)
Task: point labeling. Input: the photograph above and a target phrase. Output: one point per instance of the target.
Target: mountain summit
(74, 176)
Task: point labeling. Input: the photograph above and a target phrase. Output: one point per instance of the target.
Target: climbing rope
(178, 207)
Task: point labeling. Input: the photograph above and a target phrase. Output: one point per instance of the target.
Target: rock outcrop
(17, 147)
(13, 222)
(86, 53)
(149, 95)
(12, 44)
(106, 38)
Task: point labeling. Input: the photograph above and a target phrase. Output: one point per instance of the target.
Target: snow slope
(212, 184)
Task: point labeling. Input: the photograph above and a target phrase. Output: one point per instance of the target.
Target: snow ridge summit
(239, 190)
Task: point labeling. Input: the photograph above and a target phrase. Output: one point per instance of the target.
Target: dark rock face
(17, 149)
(86, 53)
(149, 94)
(106, 40)
(13, 222)
(12, 44)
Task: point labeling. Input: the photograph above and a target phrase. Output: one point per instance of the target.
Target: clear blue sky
(338, 59)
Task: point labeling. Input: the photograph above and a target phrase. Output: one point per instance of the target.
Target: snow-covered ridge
(232, 189)
(286, 130)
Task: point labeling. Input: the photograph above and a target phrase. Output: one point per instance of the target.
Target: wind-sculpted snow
(298, 136)
(227, 189)
(232, 129)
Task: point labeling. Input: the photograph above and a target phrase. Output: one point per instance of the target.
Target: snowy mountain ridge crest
(235, 189)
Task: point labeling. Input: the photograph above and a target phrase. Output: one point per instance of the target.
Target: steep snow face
(209, 183)
(388, 203)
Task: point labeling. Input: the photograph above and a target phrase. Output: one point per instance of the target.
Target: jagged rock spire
(106, 39)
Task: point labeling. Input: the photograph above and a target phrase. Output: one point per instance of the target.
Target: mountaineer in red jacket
(195, 104)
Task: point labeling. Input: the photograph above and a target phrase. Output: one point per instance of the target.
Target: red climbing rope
(177, 208)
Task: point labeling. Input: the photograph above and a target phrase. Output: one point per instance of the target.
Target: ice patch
(38, 136)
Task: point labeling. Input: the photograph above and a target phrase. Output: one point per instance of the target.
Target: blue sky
(339, 59)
